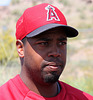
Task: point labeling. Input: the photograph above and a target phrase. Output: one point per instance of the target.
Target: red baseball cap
(40, 18)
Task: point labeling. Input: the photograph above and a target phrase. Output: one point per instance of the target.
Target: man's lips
(52, 67)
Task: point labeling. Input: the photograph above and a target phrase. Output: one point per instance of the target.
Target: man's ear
(20, 48)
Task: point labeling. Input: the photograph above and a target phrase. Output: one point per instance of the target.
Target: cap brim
(70, 31)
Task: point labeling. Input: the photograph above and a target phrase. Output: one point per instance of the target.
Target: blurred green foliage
(7, 47)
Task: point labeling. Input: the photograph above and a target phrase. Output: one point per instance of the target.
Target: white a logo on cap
(51, 14)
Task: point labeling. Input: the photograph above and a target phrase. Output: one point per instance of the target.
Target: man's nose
(54, 53)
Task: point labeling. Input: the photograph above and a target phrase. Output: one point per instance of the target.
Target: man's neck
(49, 90)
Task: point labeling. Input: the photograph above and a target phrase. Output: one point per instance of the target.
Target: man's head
(41, 35)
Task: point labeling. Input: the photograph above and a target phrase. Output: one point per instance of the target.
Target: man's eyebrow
(61, 39)
(44, 39)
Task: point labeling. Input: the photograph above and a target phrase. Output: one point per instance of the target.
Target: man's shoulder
(5, 86)
(8, 83)
(7, 90)
(72, 91)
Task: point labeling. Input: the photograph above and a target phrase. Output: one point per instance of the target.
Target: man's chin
(51, 78)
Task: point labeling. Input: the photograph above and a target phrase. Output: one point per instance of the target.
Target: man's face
(45, 56)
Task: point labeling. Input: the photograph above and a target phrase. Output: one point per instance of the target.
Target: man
(41, 34)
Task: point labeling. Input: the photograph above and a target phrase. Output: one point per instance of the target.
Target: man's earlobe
(20, 48)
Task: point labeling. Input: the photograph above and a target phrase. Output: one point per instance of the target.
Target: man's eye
(43, 43)
(62, 43)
